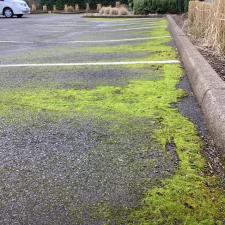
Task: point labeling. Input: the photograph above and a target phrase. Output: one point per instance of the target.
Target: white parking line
(88, 41)
(68, 22)
(51, 31)
(122, 29)
(116, 40)
(62, 25)
(123, 24)
(123, 20)
(88, 25)
(103, 26)
(4, 29)
(18, 42)
(105, 30)
(89, 64)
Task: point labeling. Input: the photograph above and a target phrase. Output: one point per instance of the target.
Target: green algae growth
(189, 196)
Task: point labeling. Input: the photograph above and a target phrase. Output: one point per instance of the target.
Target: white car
(9, 8)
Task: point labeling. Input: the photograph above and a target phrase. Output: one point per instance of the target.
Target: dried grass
(107, 10)
(207, 23)
(70, 8)
(123, 11)
(101, 11)
(113, 11)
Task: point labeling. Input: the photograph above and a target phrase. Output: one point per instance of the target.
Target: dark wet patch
(51, 170)
(171, 149)
(190, 108)
(68, 56)
(74, 77)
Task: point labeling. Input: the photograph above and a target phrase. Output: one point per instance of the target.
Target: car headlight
(23, 4)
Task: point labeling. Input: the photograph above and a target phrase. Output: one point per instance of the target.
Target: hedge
(159, 6)
(82, 3)
(138, 6)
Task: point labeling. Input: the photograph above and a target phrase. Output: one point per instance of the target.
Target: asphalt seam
(204, 95)
(208, 90)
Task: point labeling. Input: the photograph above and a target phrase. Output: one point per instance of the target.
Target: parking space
(86, 120)
(58, 31)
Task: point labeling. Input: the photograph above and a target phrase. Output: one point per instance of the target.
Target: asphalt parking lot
(87, 126)
(38, 37)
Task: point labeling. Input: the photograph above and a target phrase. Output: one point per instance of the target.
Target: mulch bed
(216, 61)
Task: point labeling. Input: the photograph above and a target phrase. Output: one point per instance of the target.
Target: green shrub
(59, 4)
(186, 3)
(159, 6)
(82, 3)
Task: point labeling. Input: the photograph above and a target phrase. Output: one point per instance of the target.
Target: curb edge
(207, 86)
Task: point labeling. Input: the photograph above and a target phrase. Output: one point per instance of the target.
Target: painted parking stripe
(89, 64)
(18, 42)
(116, 40)
(123, 20)
(88, 25)
(110, 30)
(4, 29)
(104, 26)
(88, 41)
(123, 24)
(122, 29)
(62, 25)
(52, 31)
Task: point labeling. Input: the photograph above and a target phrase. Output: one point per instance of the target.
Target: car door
(1, 6)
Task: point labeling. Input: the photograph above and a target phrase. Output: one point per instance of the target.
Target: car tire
(8, 13)
(19, 16)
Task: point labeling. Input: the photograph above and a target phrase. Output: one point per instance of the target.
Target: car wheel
(19, 16)
(8, 13)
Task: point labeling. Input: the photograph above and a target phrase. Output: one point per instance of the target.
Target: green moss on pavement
(189, 196)
(157, 49)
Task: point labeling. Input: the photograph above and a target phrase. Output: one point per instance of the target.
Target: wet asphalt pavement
(62, 171)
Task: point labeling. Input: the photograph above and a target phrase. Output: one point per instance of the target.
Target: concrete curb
(208, 87)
